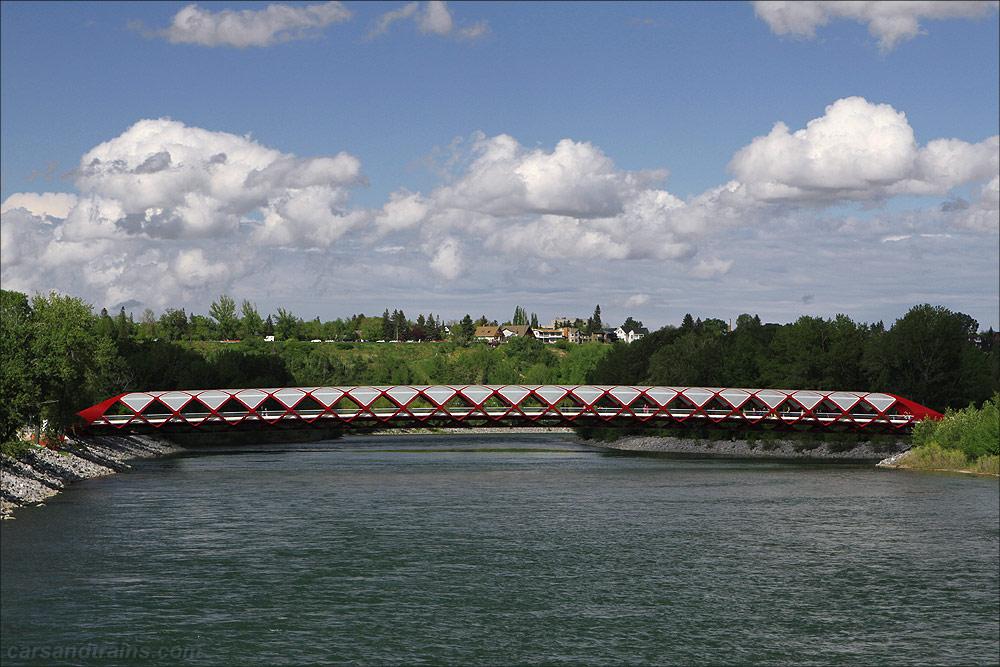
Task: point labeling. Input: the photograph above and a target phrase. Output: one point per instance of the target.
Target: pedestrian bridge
(448, 406)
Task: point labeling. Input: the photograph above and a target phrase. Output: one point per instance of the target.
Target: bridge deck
(543, 405)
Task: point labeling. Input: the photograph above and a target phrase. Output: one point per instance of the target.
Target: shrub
(14, 448)
(974, 432)
(987, 464)
(936, 457)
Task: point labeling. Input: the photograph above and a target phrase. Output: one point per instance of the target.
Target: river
(502, 549)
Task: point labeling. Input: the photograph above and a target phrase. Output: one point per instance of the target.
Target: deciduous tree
(19, 382)
(223, 311)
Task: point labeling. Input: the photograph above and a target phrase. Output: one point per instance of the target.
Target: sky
(656, 159)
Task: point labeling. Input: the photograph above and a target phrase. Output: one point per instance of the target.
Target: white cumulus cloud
(857, 151)
(891, 22)
(248, 27)
(163, 179)
(166, 211)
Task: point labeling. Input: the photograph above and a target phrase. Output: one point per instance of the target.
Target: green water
(461, 549)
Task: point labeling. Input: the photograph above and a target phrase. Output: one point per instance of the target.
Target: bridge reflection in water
(506, 405)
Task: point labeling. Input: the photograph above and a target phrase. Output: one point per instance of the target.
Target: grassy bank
(965, 440)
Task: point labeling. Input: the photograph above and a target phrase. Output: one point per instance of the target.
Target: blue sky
(471, 157)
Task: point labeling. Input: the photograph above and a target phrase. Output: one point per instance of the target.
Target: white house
(631, 335)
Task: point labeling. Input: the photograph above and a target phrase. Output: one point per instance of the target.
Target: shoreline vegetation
(963, 441)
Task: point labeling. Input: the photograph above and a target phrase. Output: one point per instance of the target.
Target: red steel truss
(503, 405)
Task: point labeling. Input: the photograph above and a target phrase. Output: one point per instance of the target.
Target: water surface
(462, 549)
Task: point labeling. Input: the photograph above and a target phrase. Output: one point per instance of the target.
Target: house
(517, 330)
(553, 334)
(602, 336)
(630, 335)
(487, 334)
(548, 334)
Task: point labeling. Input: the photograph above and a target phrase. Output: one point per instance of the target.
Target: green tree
(520, 317)
(387, 328)
(223, 311)
(464, 330)
(105, 325)
(693, 359)
(400, 326)
(927, 356)
(19, 382)
(745, 352)
(286, 326)
(148, 326)
(123, 326)
(174, 324)
(370, 327)
(251, 324)
(76, 367)
(631, 324)
(201, 327)
(594, 323)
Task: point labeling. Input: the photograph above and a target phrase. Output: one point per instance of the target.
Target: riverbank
(776, 449)
(918, 459)
(39, 473)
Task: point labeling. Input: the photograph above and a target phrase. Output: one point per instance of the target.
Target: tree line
(931, 355)
(58, 357)
(227, 322)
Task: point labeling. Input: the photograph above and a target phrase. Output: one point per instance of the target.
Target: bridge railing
(541, 405)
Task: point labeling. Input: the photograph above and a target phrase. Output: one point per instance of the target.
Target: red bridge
(507, 405)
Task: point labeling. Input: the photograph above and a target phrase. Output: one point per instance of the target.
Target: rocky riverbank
(776, 449)
(39, 472)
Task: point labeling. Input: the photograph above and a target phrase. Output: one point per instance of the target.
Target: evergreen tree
(688, 322)
(386, 326)
(432, 330)
(468, 327)
(520, 317)
(400, 325)
(123, 328)
(595, 324)
(534, 320)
